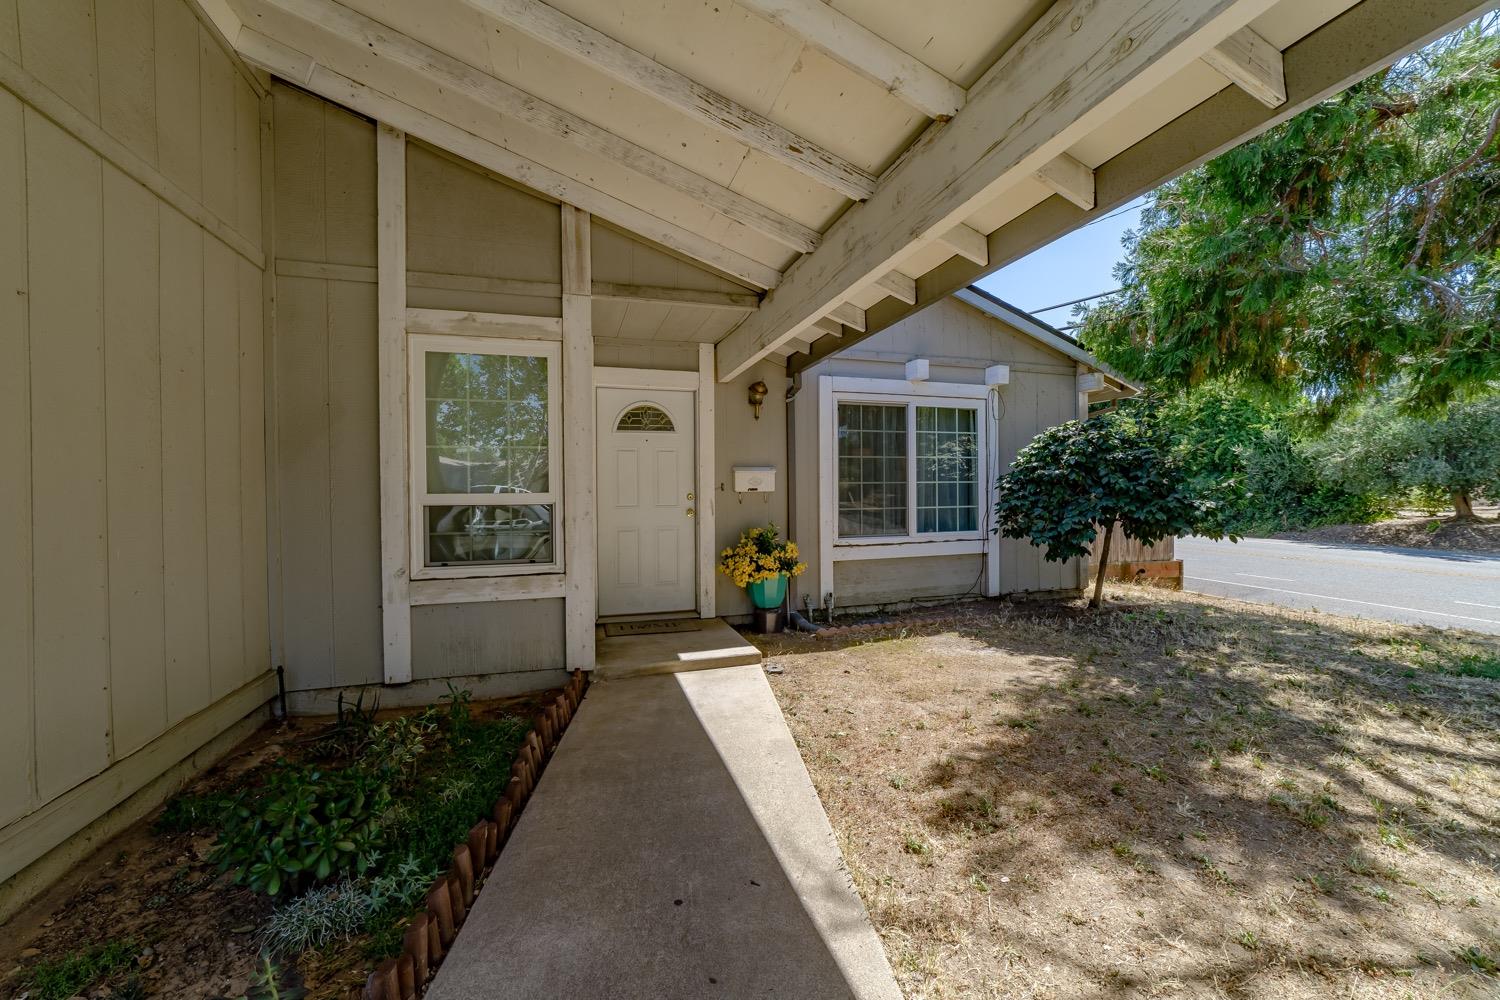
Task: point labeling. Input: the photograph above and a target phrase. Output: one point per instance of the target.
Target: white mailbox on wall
(755, 479)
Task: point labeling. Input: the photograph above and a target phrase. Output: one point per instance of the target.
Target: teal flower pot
(768, 593)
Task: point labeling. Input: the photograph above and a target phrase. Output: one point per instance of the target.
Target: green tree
(1253, 452)
(1380, 449)
(1086, 476)
(1354, 244)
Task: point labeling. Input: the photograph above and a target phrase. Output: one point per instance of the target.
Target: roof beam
(1361, 41)
(641, 72)
(898, 286)
(733, 301)
(500, 97)
(847, 41)
(305, 71)
(967, 243)
(1076, 68)
(1252, 64)
(1069, 178)
(848, 314)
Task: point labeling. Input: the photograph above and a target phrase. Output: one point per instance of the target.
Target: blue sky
(1081, 263)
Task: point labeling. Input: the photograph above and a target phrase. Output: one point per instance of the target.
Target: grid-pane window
(947, 469)
(484, 489)
(872, 460)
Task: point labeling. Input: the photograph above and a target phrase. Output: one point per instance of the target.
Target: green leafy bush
(1251, 453)
(305, 825)
(1085, 476)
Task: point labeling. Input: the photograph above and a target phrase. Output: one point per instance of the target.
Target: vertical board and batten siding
(740, 439)
(133, 591)
(469, 238)
(325, 395)
(964, 341)
(656, 334)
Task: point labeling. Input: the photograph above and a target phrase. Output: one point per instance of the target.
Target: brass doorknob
(691, 512)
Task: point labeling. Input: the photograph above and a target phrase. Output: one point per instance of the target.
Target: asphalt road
(1422, 586)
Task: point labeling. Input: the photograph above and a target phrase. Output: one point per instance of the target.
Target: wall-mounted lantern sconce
(758, 392)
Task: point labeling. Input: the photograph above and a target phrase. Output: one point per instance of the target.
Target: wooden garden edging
(431, 932)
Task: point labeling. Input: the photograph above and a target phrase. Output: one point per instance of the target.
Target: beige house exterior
(387, 344)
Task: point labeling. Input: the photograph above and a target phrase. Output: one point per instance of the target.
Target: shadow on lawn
(1202, 756)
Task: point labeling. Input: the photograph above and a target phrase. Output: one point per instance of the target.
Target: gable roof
(857, 160)
(1044, 333)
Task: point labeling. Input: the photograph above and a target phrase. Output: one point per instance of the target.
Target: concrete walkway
(675, 848)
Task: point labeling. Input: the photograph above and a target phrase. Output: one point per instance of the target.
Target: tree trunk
(1462, 505)
(1098, 599)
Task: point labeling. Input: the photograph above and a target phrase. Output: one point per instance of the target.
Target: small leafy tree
(1380, 449)
(1086, 476)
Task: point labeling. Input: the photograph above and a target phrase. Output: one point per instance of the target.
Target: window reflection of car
(520, 533)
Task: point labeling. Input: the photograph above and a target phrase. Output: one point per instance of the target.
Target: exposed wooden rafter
(1076, 68)
(898, 285)
(305, 71)
(844, 39)
(641, 72)
(504, 99)
(848, 314)
(1069, 178)
(1369, 36)
(1252, 64)
(967, 242)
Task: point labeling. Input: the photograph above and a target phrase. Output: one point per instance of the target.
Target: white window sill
(907, 547)
(472, 590)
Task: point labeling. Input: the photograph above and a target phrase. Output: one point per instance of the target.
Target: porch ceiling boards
(853, 160)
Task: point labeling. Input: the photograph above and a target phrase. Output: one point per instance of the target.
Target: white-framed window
(908, 466)
(486, 466)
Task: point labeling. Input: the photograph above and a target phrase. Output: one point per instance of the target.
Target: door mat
(615, 630)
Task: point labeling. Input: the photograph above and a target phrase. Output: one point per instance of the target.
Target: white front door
(647, 500)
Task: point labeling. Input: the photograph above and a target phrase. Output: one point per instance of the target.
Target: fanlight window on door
(644, 417)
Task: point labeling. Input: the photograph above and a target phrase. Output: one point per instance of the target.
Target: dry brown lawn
(1183, 796)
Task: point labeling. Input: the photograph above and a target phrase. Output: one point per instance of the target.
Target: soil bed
(1195, 797)
(149, 914)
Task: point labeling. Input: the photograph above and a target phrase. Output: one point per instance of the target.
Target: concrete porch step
(715, 644)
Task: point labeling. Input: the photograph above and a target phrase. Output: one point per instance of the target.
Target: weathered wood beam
(743, 302)
(641, 72)
(844, 39)
(1074, 70)
(1363, 40)
(1069, 178)
(967, 243)
(848, 314)
(395, 501)
(1252, 64)
(899, 286)
(306, 72)
(391, 46)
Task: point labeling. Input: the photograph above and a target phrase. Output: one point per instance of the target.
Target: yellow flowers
(760, 554)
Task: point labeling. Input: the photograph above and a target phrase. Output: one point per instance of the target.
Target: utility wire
(1086, 298)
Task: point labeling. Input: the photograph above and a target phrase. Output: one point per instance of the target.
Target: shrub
(340, 910)
(305, 825)
(1086, 476)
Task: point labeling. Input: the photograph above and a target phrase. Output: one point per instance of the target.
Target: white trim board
(395, 469)
(901, 387)
(474, 590)
(644, 378)
(456, 322)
